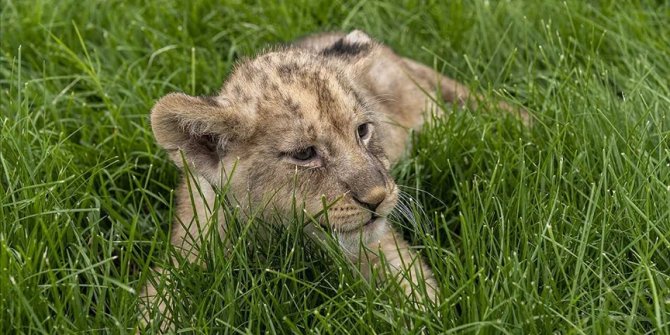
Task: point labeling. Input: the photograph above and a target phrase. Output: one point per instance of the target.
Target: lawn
(563, 227)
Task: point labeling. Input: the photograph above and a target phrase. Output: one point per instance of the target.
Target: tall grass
(563, 227)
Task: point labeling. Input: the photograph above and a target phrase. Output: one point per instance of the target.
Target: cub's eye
(304, 155)
(364, 131)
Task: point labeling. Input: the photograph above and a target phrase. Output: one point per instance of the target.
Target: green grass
(561, 228)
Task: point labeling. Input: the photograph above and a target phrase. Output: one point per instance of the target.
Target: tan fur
(315, 93)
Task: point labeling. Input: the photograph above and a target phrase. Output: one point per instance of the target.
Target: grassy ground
(561, 228)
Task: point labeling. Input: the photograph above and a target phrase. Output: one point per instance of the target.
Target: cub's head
(290, 127)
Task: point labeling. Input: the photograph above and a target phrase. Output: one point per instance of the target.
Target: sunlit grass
(563, 227)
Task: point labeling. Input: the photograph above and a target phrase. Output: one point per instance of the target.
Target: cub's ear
(200, 127)
(357, 49)
(358, 37)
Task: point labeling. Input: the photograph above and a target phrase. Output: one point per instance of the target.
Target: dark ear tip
(354, 45)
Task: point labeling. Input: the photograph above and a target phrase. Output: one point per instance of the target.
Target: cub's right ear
(200, 127)
(357, 49)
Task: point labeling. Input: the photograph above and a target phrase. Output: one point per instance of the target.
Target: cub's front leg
(386, 254)
(404, 265)
(195, 214)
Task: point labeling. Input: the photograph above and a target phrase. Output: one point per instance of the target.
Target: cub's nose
(372, 199)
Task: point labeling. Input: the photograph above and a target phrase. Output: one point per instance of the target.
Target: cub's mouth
(353, 227)
(374, 217)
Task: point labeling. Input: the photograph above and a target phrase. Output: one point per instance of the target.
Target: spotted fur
(315, 97)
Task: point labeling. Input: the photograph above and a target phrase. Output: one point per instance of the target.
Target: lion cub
(323, 118)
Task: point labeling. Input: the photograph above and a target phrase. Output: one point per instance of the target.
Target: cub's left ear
(356, 48)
